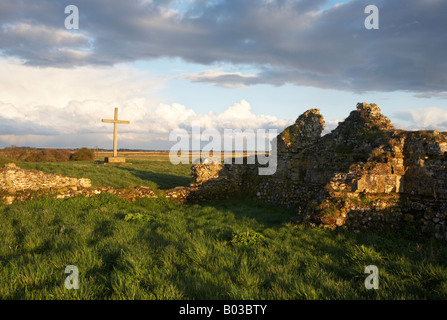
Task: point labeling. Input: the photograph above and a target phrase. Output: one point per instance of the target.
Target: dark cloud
(16, 127)
(288, 41)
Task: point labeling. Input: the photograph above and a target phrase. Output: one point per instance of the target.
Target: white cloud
(26, 86)
(239, 115)
(62, 105)
(431, 118)
(330, 125)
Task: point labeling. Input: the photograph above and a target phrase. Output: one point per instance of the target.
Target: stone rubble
(13, 179)
(17, 185)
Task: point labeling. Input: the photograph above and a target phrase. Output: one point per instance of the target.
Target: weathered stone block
(115, 160)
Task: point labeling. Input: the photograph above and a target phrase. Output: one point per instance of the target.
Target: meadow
(222, 250)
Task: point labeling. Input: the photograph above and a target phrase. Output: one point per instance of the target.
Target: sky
(228, 64)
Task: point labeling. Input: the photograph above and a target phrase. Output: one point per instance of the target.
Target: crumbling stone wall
(214, 182)
(18, 185)
(365, 174)
(13, 179)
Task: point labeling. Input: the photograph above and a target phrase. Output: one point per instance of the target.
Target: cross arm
(115, 121)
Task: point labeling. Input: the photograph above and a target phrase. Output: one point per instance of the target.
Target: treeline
(46, 155)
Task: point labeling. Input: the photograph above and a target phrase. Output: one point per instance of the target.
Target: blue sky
(229, 64)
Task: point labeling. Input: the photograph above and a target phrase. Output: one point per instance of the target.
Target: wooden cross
(115, 130)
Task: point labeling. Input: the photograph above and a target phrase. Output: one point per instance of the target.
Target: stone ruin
(18, 185)
(13, 179)
(365, 174)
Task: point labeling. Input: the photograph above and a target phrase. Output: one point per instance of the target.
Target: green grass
(158, 175)
(158, 249)
(4, 161)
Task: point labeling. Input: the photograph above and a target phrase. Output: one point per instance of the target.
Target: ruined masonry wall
(13, 179)
(18, 185)
(365, 174)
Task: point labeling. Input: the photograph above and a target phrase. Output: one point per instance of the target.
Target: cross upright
(115, 122)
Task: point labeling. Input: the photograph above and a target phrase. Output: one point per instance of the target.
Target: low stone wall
(14, 179)
(289, 193)
(212, 182)
(17, 185)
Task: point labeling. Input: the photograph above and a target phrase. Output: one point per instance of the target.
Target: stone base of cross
(115, 160)
(115, 121)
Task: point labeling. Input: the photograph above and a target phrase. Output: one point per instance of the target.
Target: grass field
(159, 249)
(152, 170)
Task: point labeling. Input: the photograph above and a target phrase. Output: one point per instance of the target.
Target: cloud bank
(431, 118)
(56, 84)
(287, 41)
(42, 107)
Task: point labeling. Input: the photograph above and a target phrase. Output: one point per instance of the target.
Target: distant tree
(35, 155)
(84, 154)
(47, 155)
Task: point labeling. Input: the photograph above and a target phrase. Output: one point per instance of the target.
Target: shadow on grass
(265, 214)
(163, 180)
